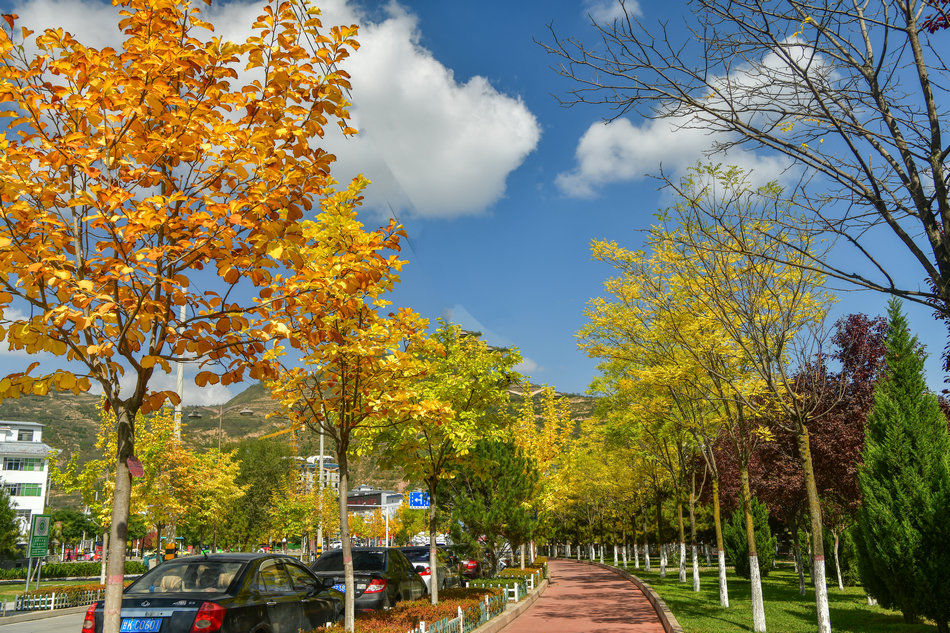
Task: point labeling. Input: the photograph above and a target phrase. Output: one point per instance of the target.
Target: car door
(406, 573)
(273, 587)
(317, 609)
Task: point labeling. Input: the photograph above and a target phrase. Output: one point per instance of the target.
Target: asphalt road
(71, 623)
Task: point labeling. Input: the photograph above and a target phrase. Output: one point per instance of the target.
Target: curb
(503, 620)
(667, 619)
(41, 615)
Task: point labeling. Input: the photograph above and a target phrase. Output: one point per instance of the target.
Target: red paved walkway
(583, 598)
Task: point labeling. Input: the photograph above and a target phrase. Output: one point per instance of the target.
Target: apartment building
(24, 470)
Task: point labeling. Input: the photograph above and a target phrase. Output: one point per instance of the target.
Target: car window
(193, 576)
(271, 578)
(368, 560)
(303, 580)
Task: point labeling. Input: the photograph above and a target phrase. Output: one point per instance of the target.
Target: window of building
(24, 435)
(24, 515)
(24, 490)
(23, 463)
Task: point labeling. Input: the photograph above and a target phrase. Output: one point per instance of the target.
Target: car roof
(241, 557)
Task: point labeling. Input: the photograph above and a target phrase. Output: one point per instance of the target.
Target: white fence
(48, 602)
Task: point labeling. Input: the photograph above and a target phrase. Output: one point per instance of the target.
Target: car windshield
(417, 554)
(195, 576)
(374, 560)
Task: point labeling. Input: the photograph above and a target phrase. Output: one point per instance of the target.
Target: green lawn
(785, 610)
(7, 592)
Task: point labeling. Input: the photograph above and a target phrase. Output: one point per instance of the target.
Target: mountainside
(71, 424)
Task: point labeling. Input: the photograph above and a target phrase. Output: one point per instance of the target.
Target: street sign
(39, 535)
(418, 500)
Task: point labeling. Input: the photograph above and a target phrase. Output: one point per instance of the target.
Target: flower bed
(406, 615)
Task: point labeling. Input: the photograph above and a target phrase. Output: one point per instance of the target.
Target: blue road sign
(418, 499)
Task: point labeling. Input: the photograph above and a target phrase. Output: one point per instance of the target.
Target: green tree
(492, 498)
(9, 527)
(74, 525)
(265, 469)
(737, 545)
(470, 377)
(904, 522)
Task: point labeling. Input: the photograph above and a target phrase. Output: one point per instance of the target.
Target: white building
(24, 471)
(310, 468)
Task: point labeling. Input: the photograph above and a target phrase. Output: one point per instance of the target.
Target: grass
(8, 592)
(785, 610)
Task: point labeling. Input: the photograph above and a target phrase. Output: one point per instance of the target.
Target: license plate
(141, 625)
(340, 586)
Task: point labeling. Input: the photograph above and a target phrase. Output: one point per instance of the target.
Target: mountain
(71, 422)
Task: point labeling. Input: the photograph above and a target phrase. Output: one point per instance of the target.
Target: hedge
(81, 569)
(68, 590)
(406, 615)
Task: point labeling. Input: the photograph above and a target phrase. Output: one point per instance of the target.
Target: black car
(448, 572)
(383, 576)
(224, 593)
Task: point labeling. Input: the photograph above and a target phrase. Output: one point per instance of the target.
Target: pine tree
(737, 544)
(904, 522)
(9, 527)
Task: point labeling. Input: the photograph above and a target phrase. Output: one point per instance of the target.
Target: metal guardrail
(49, 602)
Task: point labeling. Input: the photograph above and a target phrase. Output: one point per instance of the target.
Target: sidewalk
(583, 598)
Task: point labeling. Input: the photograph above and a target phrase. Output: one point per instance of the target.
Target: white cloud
(527, 366)
(433, 146)
(606, 11)
(460, 315)
(764, 93)
(620, 151)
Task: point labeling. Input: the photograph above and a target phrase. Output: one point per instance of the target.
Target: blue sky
(501, 189)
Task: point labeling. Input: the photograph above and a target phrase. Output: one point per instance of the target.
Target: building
(310, 468)
(24, 470)
(367, 499)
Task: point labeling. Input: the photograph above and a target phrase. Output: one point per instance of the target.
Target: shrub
(737, 545)
(81, 569)
(407, 614)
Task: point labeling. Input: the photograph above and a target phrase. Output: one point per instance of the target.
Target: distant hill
(71, 424)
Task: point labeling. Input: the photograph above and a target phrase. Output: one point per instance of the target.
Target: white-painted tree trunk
(615, 555)
(601, 553)
(871, 601)
(662, 561)
(695, 568)
(706, 549)
(646, 555)
(682, 561)
(758, 606)
(568, 550)
(821, 596)
(625, 555)
(723, 585)
(636, 555)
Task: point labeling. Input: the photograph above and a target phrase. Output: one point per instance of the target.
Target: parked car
(469, 566)
(383, 576)
(224, 593)
(447, 573)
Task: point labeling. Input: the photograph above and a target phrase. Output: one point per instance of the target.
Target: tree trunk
(692, 532)
(837, 536)
(659, 536)
(348, 604)
(433, 556)
(799, 562)
(521, 552)
(758, 607)
(720, 552)
(118, 531)
(682, 535)
(818, 549)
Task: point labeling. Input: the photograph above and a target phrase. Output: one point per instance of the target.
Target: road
(71, 623)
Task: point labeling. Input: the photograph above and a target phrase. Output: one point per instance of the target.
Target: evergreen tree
(737, 545)
(904, 522)
(9, 527)
(492, 498)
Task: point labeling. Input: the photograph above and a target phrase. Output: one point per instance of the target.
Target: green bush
(737, 545)
(81, 569)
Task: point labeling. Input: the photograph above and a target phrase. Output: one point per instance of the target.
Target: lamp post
(220, 411)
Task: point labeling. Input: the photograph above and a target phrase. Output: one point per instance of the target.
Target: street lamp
(242, 409)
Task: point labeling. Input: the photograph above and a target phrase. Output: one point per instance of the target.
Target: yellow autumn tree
(146, 195)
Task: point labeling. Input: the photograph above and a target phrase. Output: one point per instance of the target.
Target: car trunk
(361, 579)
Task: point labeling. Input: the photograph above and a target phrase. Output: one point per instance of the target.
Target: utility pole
(320, 493)
(181, 383)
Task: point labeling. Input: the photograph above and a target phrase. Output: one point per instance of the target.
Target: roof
(38, 449)
(19, 423)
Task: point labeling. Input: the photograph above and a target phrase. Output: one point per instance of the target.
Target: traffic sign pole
(38, 546)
